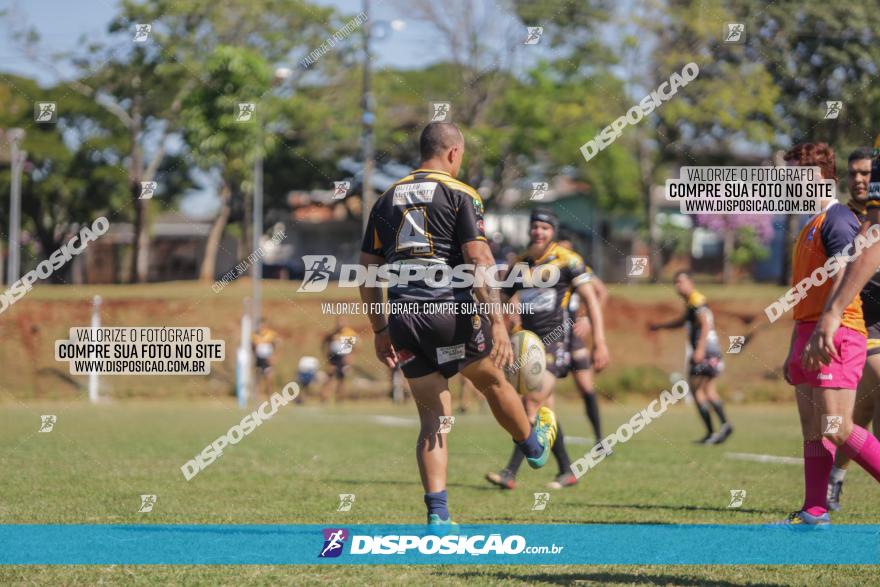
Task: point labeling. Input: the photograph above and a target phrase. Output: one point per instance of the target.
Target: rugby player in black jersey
(429, 219)
(705, 362)
(547, 316)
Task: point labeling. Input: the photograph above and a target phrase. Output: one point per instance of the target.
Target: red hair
(814, 155)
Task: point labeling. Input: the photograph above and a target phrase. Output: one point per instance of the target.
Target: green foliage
(748, 247)
(216, 139)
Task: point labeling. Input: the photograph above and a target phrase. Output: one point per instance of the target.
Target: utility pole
(367, 198)
(257, 275)
(17, 158)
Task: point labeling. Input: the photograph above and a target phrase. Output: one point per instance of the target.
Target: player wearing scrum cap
(549, 320)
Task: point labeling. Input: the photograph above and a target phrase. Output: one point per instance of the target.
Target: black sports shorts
(711, 366)
(447, 343)
(873, 338)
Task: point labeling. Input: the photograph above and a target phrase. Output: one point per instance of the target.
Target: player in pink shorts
(825, 393)
(824, 347)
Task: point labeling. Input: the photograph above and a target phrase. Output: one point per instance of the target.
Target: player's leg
(583, 379)
(433, 400)
(863, 411)
(698, 388)
(858, 444)
(506, 478)
(536, 442)
(714, 400)
(818, 457)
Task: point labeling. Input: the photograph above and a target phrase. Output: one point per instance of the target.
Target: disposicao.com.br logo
(403, 544)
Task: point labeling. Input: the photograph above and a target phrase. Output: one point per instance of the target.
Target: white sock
(837, 474)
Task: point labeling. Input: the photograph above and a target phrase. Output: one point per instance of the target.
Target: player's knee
(839, 436)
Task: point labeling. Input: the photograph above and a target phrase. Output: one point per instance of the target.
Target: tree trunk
(140, 251)
(209, 262)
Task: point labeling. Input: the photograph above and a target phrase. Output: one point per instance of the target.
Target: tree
(222, 136)
(71, 176)
(144, 84)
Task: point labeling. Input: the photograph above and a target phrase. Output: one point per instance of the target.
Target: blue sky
(61, 24)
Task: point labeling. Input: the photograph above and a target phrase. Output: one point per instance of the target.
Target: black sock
(593, 413)
(706, 416)
(560, 453)
(516, 459)
(719, 409)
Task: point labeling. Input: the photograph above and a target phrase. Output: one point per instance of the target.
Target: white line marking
(745, 456)
(396, 421)
(576, 440)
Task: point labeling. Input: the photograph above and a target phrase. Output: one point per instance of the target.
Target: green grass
(93, 467)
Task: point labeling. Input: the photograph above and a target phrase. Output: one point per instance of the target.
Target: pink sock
(863, 448)
(830, 446)
(818, 461)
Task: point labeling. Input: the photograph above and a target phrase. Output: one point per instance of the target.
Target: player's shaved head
(437, 138)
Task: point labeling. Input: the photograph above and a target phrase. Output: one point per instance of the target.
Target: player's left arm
(601, 290)
(600, 348)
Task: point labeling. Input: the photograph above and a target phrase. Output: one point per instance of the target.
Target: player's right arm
(677, 323)
(477, 253)
(372, 297)
(371, 254)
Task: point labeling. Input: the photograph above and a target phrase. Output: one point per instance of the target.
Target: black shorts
(711, 366)
(263, 365)
(580, 354)
(873, 339)
(338, 364)
(427, 343)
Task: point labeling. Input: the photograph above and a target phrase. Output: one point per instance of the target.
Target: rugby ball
(526, 374)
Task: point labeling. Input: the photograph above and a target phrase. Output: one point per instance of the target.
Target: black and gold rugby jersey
(549, 305)
(696, 305)
(424, 219)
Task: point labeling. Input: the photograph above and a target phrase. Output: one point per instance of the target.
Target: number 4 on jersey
(413, 234)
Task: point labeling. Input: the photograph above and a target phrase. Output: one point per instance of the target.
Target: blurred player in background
(263, 343)
(338, 346)
(826, 392)
(867, 402)
(705, 362)
(430, 218)
(580, 341)
(307, 373)
(551, 322)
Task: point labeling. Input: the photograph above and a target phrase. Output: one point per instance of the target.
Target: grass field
(95, 464)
